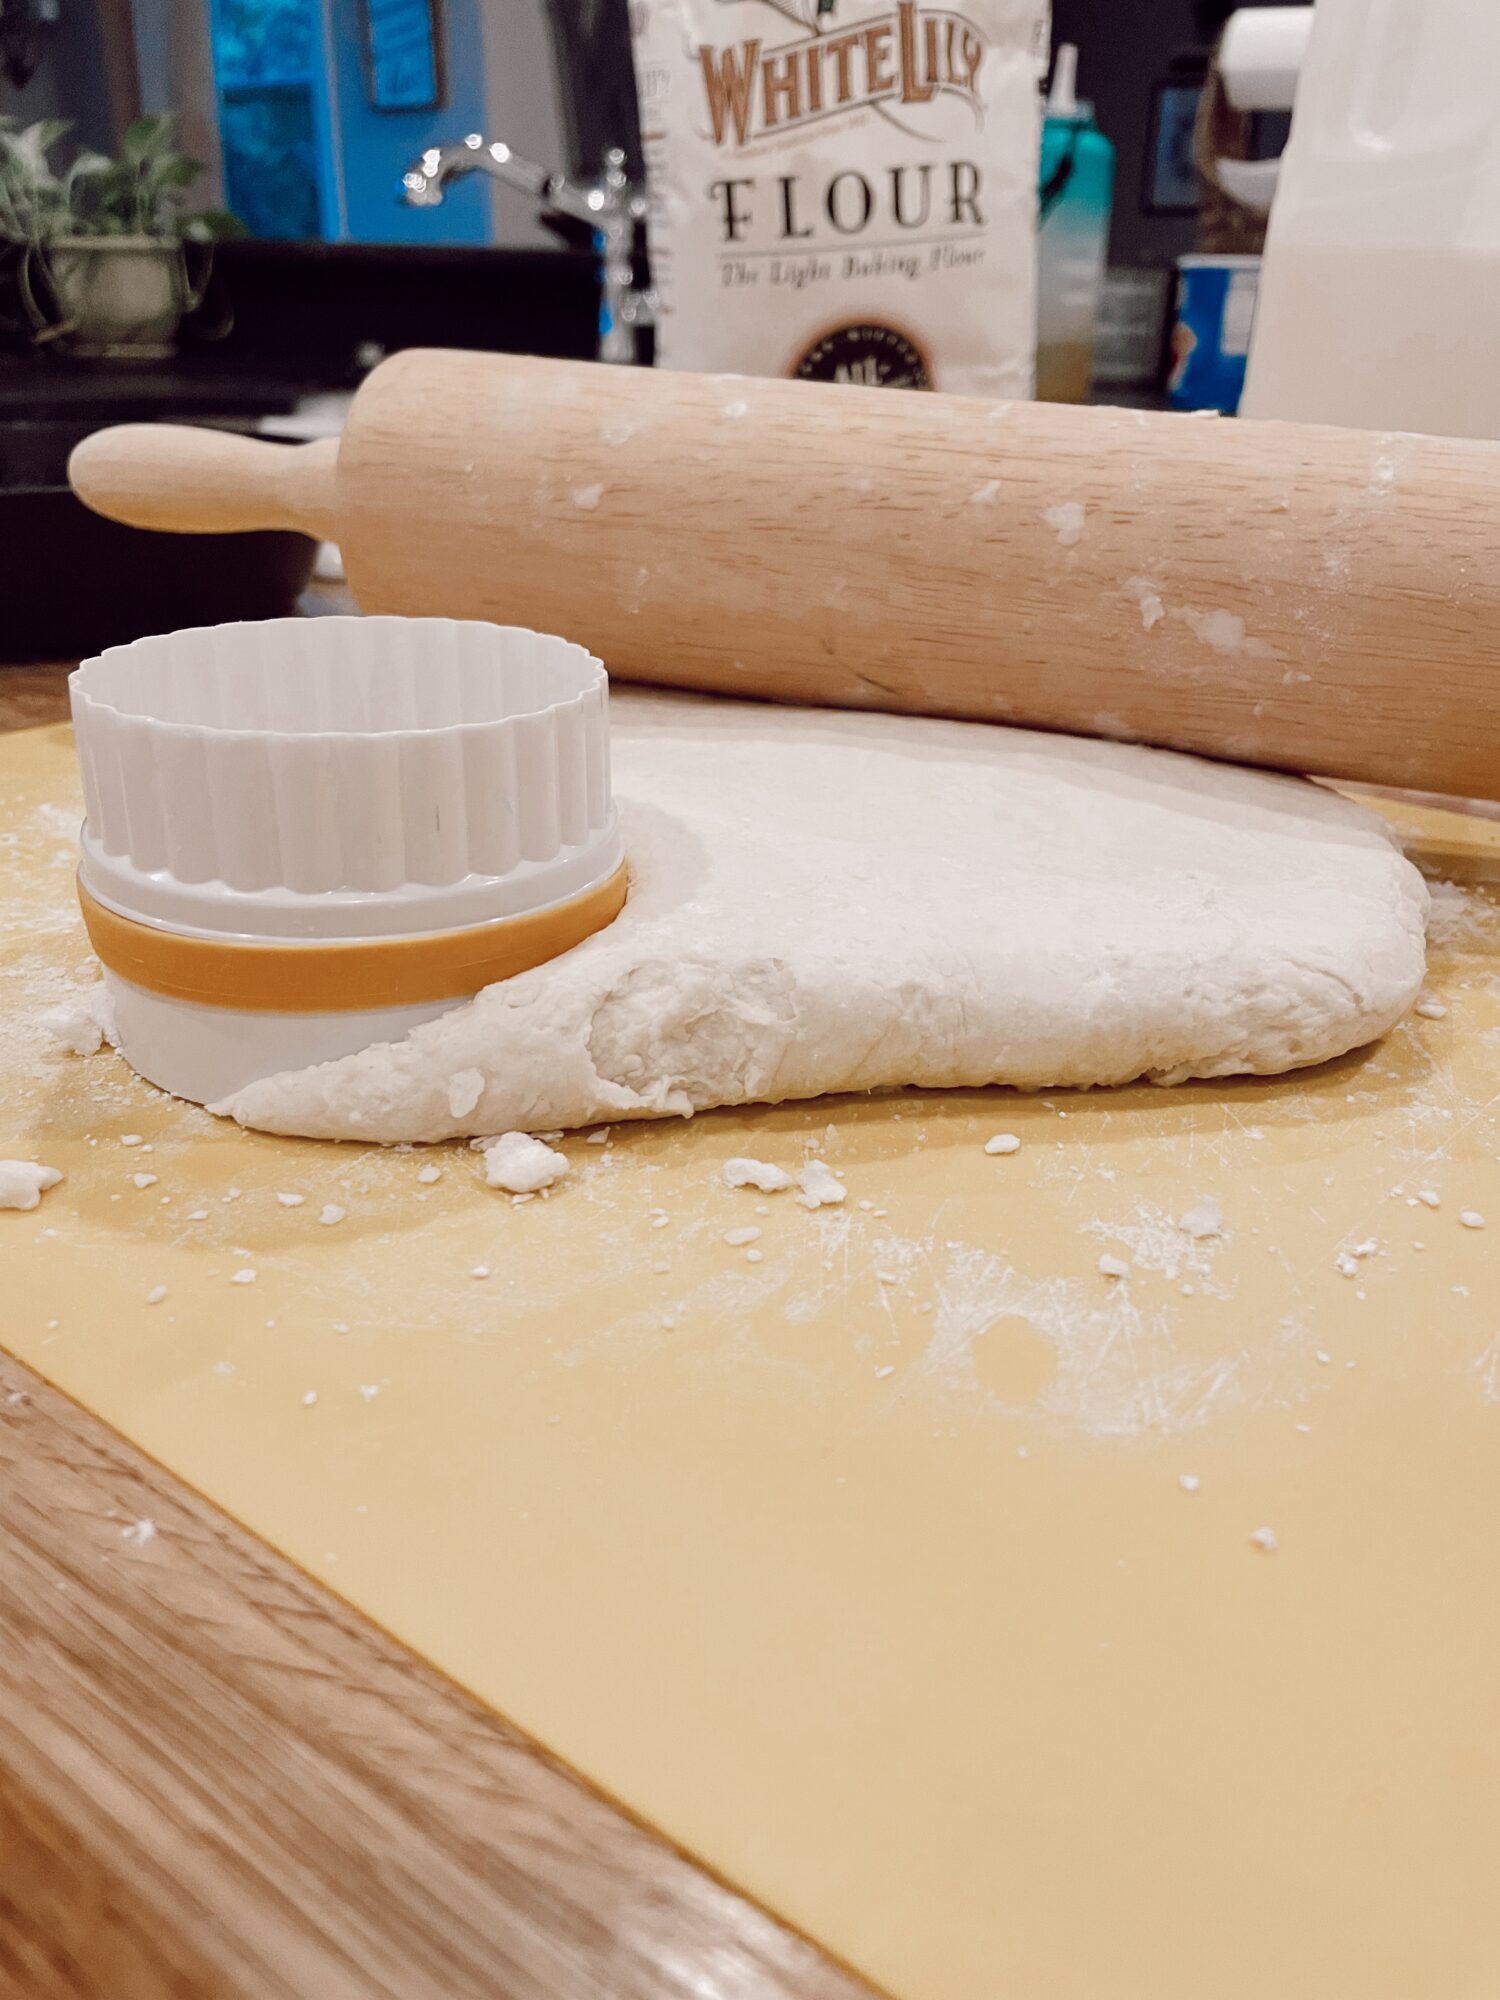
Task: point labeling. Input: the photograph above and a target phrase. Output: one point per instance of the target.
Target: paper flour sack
(844, 190)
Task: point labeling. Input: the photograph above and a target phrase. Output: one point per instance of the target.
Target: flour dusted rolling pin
(1314, 599)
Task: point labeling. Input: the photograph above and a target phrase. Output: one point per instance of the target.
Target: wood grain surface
(30, 696)
(217, 1782)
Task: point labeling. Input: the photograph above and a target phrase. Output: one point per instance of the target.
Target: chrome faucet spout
(611, 206)
(425, 181)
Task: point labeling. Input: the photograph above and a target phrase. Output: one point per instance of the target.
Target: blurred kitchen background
(270, 146)
(305, 114)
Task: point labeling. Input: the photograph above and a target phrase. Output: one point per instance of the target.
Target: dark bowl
(75, 583)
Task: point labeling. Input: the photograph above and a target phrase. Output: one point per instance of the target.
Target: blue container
(1211, 336)
(1073, 210)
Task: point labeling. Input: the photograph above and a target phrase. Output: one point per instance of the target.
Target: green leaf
(213, 225)
(148, 136)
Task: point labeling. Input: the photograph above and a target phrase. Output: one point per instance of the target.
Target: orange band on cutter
(345, 976)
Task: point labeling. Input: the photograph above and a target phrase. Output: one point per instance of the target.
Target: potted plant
(98, 250)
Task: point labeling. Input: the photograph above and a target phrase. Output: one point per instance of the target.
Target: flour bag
(844, 190)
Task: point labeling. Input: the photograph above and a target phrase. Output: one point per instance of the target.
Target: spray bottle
(1074, 198)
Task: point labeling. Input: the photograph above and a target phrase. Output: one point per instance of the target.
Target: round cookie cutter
(307, 836)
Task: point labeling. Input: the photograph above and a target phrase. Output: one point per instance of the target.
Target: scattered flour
(1430, 1010)
(246, 1277)
(1149, 601)
(331, 1213)
(587, 497)
(24, 1182)
(983, 495)
(820, 1187)
(761, 1174)
(738, 1238)
(291, 1200)
(1471, 1218)
(1066, 521)
(156, 1294)
(1220, 631)
(1003, 1142)
(1189, 1481)
(138, 1533)
(428, 1175)
(1113, 1267)
(1159, 1244)
(82, 1025)
(520, 1164)
(1265, 1540)
(1205, 1218)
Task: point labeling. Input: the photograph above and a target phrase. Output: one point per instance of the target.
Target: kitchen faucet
(611, 206)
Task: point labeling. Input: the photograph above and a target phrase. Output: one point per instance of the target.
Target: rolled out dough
(824, 901)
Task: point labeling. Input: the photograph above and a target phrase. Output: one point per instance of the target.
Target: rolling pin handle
(206, 482)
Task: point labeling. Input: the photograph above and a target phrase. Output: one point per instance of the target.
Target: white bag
(844, 190)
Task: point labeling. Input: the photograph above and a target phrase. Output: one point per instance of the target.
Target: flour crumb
(464, 1091)
(761, 1174)
(587, 497)
(309, 1399)
(755, 1256)
(1189, 1481)
(330, 1213)
(1113, 1267)
(889, 1368)
(480, 1271)
(156, 1294)
(520, 1164)
(1066, 521)
(820, 1186)
(246, 1277)
(599, 1138)
(1003, 1142)
(1149, 600)
(1471, 1218)
(1430, 1010)
(143, 1180)
(130, 1138)
(138, 1533)
(737, 410)
(661, 1268)
(1429, 1197)
(1220, 631)
(369, 1390)
(1204, 1219)
(1345, 1265)
(231, 1194)
(1265, 1540)
(660, 1218)
(738, 1238)
(983, 495)
(291, 1200)
(428, 1175)
(24, 1182)
(81, 1026)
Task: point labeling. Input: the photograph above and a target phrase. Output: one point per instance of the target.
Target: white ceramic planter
(122, 297)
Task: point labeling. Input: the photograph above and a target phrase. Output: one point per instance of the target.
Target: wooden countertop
(218, 1780)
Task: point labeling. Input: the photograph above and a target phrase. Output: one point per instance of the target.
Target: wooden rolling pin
(1308, 598)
